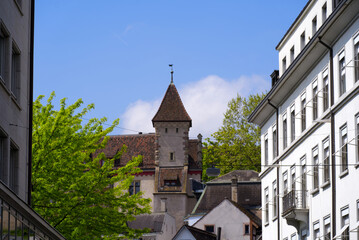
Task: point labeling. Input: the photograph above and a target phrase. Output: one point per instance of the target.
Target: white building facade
(310, 127)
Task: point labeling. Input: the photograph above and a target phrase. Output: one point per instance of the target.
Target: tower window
(172, 156)
(176, 130)
(166, 130)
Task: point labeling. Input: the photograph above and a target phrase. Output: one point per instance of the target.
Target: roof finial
(171, 66)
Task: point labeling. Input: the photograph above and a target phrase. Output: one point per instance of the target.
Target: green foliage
(71, 189)
(236, 145)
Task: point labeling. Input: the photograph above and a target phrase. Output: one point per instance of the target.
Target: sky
(115, 54)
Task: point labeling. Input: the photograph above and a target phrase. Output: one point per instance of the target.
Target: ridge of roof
(241, 175)
(172, 108)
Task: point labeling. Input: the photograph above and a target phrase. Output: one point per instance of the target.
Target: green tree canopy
(236, 145)
(75, 188)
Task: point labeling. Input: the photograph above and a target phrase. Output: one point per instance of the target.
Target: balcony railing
(295, 199)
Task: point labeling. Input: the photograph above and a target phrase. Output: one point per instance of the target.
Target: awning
(339, 235)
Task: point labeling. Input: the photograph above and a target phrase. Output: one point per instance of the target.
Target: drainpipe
(31, 96)
(332, 134)
(277, 197)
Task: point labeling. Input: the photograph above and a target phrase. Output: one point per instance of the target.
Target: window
(172, 156)
(134, 187)
(357, 136)
(315, 168)
(345, 223)
(274, 199)
(292, 173)
(3, 52)
(285, 182)
(316, 230)
(303, 112)
(356, 57)
(302, 41)
(293, 237)
(315, 99)
(3, 162)
(304, 234)
(325, 90)
(15, 71)
(292, 54)
(266, 219)
(266, 149)
(314, 25)
(285, 131)
(284, 64)
(344, 148)
(304, 180)
(324, 12)
(176, 130)
(209, 228)
(292, 123)
(172, 182)
(14, 168)
(326, 228)
(326, 167)
(166, 130)
(246, 229)
(275, 153)
(342, 85)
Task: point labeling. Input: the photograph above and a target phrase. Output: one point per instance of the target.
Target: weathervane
(171, 66)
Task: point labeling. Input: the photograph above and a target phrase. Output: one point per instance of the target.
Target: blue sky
(115, 54)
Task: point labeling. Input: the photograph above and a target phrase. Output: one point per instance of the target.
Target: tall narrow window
(315, 168)
(292, 54)
(134, 188)
(14, 169)
(293, 180)
(345, 223)
(285, 132)
(316, 230)
(4, 39)
(342, 83)
(327, 228)
(325, 90)
(303, 112)
(357, 136)
(326, 168)
(284, 64)
(356, 57)
(344, 148)
(3, 162)
(172, 156)
(302, 41)
(314, 25)
(275, 152)
(285, 182)
(274, 199)
(15, 72)
(324, 12)
(315, 99)
(292, 123)
(304, 181)
(266, 149)
(266, 219)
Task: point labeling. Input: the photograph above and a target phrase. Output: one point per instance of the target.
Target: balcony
(295, 209)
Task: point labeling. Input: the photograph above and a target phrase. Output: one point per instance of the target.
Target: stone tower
(172, 191)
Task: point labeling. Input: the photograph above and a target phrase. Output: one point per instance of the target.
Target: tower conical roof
(172, 109)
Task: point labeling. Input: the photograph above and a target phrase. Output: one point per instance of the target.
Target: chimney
(275, 77)
(234, 190)
(219, 230)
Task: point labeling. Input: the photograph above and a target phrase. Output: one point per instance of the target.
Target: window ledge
(274, 218)
(344, 173)
(314, 191)
(356, 165)
(2, 83)
(325, 185)
(266, 224)
(19, 8)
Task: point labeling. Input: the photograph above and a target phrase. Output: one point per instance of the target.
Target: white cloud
(205, 101)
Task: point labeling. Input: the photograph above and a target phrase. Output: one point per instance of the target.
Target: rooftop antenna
(171, 66)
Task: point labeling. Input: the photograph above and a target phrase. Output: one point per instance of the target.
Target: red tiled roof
(138, 144)
(143, 144)
(172, 109)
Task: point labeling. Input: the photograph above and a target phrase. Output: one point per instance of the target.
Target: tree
(236, 145)
(72, 184)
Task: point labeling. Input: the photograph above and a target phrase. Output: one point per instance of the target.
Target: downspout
(332, 134)
(277, 193)
(31, 96)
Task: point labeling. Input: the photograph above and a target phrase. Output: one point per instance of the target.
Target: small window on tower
(165, 130)
(176, 130)
(172, 156)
